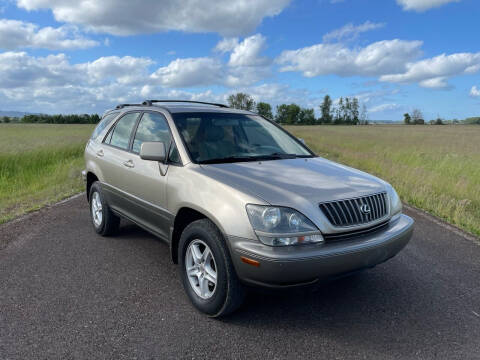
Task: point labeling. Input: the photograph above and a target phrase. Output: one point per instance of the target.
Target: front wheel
(207, 272)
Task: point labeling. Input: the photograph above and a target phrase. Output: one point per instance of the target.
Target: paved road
(67, 293)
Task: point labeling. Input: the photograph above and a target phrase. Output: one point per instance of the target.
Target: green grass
(39, 165)
(435, 168)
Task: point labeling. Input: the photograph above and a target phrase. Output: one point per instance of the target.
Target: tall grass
(39, 164)
(436, 168)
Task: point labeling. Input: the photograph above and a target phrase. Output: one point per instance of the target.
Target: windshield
(222, 137)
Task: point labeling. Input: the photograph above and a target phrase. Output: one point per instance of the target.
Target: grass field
(39, 164)
(436, 168)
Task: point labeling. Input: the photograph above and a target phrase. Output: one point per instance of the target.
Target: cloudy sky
(82, 56)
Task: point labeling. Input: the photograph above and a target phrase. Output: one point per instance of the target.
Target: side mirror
(154, 150)
(301, 140)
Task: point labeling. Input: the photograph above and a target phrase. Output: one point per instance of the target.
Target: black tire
(110, 222)
(229, 292)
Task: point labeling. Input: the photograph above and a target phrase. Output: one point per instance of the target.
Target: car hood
(291, 182)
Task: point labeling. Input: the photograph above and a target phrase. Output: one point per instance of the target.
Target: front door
(148, 187)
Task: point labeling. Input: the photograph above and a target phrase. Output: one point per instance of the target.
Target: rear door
(116, 162)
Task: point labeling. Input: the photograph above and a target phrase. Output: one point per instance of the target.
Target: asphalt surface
(67, 293)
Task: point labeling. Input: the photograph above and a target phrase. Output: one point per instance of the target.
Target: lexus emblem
(365, 209)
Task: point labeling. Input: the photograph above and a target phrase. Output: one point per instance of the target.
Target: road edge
(456, 230)
(43, 208)
(420, 212)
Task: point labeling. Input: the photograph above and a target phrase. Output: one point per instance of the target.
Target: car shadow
(389, 303)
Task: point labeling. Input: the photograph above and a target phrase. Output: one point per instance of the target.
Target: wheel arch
(91, 178)
(185, 216)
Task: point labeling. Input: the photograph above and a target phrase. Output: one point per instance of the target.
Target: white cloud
(226, 45)
(423, 5)
(383, 57)
(16, 34)
(384, 107)
(124, 70)
(390, 60)
(245, 66)
(475, 91)
(434, 72)
(375, 96)
(190, 72)
(247, 53)
(350, 31)
(52, 83)
(227, 17)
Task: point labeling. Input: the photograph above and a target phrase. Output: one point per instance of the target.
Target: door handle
(100, 153)
(129, 164)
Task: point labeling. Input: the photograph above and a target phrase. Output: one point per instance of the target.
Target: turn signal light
(249, 261)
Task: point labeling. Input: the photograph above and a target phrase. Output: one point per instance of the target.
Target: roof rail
(150, 102)
(121, 106)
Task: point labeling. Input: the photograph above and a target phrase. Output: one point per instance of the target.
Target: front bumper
(294, 265)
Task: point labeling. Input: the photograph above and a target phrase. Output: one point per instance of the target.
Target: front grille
(357, 211)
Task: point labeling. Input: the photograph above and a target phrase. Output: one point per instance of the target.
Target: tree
(265, 110)
(407, 119)
(417, 117)
(472, 120)
(281, 116)
(306, 116)
(287, 114)
(292, 114)
(364, 115)
(439, 121)
(339, 112)
(326, 110)
(241, 101)
(347, 112)
(6, 119)
(355, 111)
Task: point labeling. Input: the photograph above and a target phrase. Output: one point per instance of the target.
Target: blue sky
(77, 56)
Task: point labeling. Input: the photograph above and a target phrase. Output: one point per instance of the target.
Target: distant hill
(385, 121)
(18, 114)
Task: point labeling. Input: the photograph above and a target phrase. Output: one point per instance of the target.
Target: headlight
(279, 226)
(395, 202)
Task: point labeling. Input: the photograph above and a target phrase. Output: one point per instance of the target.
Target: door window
(120, 135)
(152, 127)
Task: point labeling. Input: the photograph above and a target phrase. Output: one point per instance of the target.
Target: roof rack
(150, 102)
(121, 106)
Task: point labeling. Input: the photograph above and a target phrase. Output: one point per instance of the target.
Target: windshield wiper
(232, 159)
(228, 159)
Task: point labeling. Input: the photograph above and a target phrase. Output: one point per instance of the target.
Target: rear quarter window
(106, 120)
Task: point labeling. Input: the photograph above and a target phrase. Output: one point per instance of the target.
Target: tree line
(416, 118)
(60, 119)
(53, 119)
(346, 112)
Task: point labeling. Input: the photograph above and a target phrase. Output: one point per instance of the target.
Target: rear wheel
(206, 270)
(104, 221)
